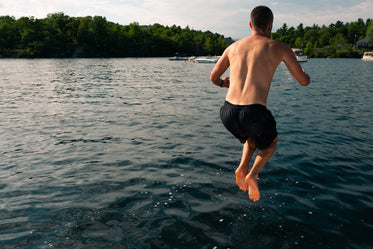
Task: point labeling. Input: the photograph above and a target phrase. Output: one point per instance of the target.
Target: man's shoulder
(240, 44)
(280, 47)
(234, 46)
(237, 43)
(277, 44)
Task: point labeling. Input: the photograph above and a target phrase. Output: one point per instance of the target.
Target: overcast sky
(227, 17)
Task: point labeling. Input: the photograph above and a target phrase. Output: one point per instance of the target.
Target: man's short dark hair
(260, 17)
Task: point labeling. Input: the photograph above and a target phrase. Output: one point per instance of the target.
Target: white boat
(207, 59)
(367, 56)
(299, 54)
(178, 58)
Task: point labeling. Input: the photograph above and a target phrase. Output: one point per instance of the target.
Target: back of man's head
(261, 17)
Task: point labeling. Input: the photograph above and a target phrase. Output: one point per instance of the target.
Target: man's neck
(259, 32)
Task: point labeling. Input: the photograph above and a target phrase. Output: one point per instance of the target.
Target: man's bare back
(253, 62)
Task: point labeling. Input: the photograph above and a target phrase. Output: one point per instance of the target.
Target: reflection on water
(131, 153)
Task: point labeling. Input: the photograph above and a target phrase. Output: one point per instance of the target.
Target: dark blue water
(131, 153)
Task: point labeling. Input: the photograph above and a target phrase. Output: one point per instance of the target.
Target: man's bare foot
(240, 180)
(252, 183)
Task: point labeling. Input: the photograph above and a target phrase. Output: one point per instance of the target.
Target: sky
(226, 17)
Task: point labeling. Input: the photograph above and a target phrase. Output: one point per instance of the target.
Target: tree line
(335, 40)
(61, 36)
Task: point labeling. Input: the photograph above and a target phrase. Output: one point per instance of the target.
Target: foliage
(336, 40)
(370, 32)
(59, 35)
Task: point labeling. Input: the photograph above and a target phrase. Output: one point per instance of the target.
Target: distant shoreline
(61, 36)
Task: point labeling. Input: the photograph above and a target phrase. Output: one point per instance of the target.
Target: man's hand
(226, 82)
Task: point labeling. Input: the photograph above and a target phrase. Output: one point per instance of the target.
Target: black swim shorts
(254, 121)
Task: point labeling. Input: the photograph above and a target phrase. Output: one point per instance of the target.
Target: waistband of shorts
(246, 107)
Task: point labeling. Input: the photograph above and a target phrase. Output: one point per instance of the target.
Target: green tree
(300, 31)
(84, 37)
(57, 41)
(325, 35)
(338, 39)
(369, 32)
(311, 36)
(299, 42)
(8, 35)
(99, 29)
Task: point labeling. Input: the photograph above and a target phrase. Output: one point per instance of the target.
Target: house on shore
(365, 43)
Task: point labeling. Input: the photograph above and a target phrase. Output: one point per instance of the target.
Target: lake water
(131, 153)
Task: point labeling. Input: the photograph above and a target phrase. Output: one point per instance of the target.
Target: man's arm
(220, 67)
(294, 67)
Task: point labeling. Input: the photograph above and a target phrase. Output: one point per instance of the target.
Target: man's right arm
(294, 67)
(220, 67)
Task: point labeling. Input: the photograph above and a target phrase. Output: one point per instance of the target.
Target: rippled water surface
(131, 153)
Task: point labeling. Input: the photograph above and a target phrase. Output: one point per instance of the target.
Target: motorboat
(299, 54)
(367, 56)
(207, 59)
(178, 58)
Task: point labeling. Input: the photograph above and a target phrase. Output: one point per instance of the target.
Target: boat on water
(299, 54)
(367, 56)
(207, 59)
(178, 58)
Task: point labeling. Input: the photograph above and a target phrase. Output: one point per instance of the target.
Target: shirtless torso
(253, 62)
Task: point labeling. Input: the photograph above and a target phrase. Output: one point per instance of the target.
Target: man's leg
(242, 170)
(260, 160)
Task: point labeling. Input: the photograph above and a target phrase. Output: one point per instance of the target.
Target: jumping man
(253, 62)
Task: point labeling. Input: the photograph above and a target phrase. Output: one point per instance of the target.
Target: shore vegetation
(62, 36)
(336, 40)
